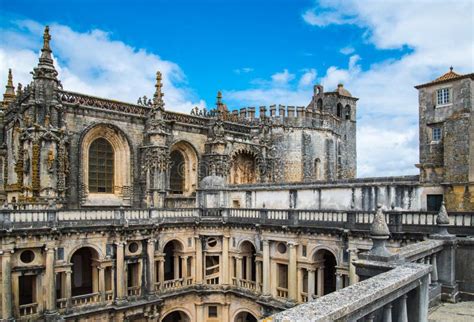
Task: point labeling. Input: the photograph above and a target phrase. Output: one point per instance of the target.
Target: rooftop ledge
(349, 300)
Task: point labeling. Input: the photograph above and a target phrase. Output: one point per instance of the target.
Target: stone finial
(379, 226)
(158, 96)
(442, 218)
(379, 234)
(45, 67)
(9, 94)
(46, 50)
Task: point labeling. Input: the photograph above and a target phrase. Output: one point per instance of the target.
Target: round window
(27, 256)
(133, 247)
(211, 242)
(281, 248)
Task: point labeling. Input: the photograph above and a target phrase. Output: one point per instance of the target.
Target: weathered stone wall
(363, 194)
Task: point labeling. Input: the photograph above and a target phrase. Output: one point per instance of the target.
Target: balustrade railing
(61, 303)
(398, 221)
(212, 280)
(109, 295)
(28, 309)
(133, 290)
(282, 292)
(386, 295)
(85, 299)
(172, 284)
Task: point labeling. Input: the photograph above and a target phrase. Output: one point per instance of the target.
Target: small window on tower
(436, 134)
(212, 311)
(443, 96)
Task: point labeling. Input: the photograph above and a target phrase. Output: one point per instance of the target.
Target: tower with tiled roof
(446, 121)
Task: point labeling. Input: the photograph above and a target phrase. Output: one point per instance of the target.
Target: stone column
(248, 269)
(266, 267)
(68, 286)
(292, 273)
(434, 274)
(353, 277)
(7, 309)
(238, 268)
(339, 284)
(176, 266)
(184, 266)
(300, 284)
(387, 313)
(258, 275)
(320, 281)
(370, 317)
(120, 271)
(225, 260)
(161, 272)
(198, 263)
(311, 283)
(423, 299)
(151, 272)
(225, 312)
(403, 314)
(101, 282)
(50, 281)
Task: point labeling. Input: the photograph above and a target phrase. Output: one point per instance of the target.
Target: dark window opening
(101, 167)
(177, 172)
(27, 289)
(433, 202)
(212, 311)
(339, 110)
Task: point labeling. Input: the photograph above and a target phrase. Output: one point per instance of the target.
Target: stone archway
(245, 316)
(176, 316)
(183, 169)
(325, 263)
(84, 278)
(173, 266)
(243, 168)
(119, 165)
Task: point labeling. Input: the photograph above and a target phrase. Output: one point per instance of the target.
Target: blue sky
(257, 53)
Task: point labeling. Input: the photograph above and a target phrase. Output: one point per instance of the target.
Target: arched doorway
(183, 169)
(248, 269)
(245, 316)
(325, 264)
(176, 316)
(172, 266)
(177, 174)
(243, 169)
(84, 278)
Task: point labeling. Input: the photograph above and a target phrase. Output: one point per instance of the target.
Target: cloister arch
(84, 278)
(248, 269)
(176, 316)
(325, 262)
(115, 158)
(244, 316)
(183, 174)
(243, 168)
(172, 266)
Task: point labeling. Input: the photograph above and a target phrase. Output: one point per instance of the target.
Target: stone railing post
(7, 309)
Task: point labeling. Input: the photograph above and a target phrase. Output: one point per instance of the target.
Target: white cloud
(283, 77)
(93, 63)
(347, 50)
(308, 78)
(243, 70)
(438, 34)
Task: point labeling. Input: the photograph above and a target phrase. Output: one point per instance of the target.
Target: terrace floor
(448, 312)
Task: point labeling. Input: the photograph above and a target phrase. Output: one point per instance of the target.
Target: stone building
(130, 212)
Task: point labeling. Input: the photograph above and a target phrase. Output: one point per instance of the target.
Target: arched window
(317, 169)
(101, 167)
(177, 172)
(339, 110)
(320, 105)
(348, 112)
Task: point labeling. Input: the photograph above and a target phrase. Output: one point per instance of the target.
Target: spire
(158, 96)
(9, 94)
(45, 67)
(221, 107)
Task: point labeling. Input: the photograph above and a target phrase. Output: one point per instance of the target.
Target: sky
(257, 53)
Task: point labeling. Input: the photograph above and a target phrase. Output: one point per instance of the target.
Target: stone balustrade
(398, 221)
(396, 295)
